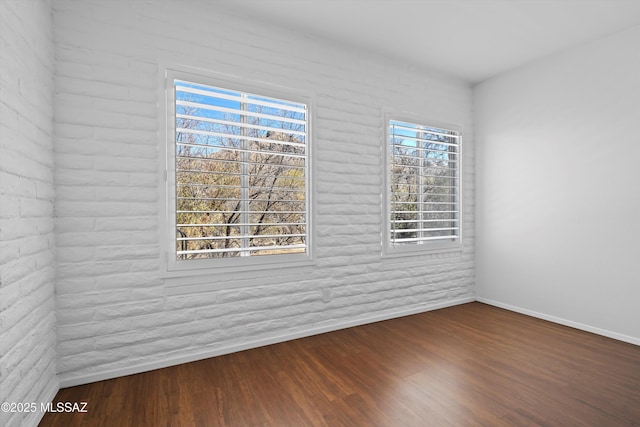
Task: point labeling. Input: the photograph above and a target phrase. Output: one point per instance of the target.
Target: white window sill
(424, 249)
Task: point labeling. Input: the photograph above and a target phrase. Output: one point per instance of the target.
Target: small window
(239, 174)
(423, 180)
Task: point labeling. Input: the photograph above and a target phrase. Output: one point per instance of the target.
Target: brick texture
(116, 313)
(27, 316)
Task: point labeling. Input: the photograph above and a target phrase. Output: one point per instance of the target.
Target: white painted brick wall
(27, 316)
(116, 315)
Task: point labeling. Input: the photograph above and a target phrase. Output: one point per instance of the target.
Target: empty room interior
(319, 213)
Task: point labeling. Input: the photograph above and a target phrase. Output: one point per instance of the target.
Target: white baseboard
(70, 381)
(561, 321)
(47, 396)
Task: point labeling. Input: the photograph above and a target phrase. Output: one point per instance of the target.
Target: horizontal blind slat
(239, 150)
(423, 129)
(270, 236)
(209, 159)
(240, 112)
(212, 92)
(425, 239)
(239, 124)
(234, 137)
(240, 224)
(250, 248)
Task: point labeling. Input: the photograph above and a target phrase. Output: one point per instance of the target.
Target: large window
(239, 173)
(424, 188)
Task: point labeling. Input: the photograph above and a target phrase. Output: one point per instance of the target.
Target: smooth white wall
(558, 213)
(116, 313)
(27, 316)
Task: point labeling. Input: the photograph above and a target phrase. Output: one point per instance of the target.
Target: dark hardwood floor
(469, 365)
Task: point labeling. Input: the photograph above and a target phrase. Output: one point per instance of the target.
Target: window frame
(170, 265)
(424, 247)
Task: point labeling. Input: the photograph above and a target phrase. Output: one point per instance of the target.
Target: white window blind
(423, 167)
(241, 173)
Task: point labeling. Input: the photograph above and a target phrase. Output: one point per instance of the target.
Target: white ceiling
(469, 39)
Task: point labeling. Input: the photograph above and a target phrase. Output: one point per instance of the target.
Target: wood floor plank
(468, 365)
